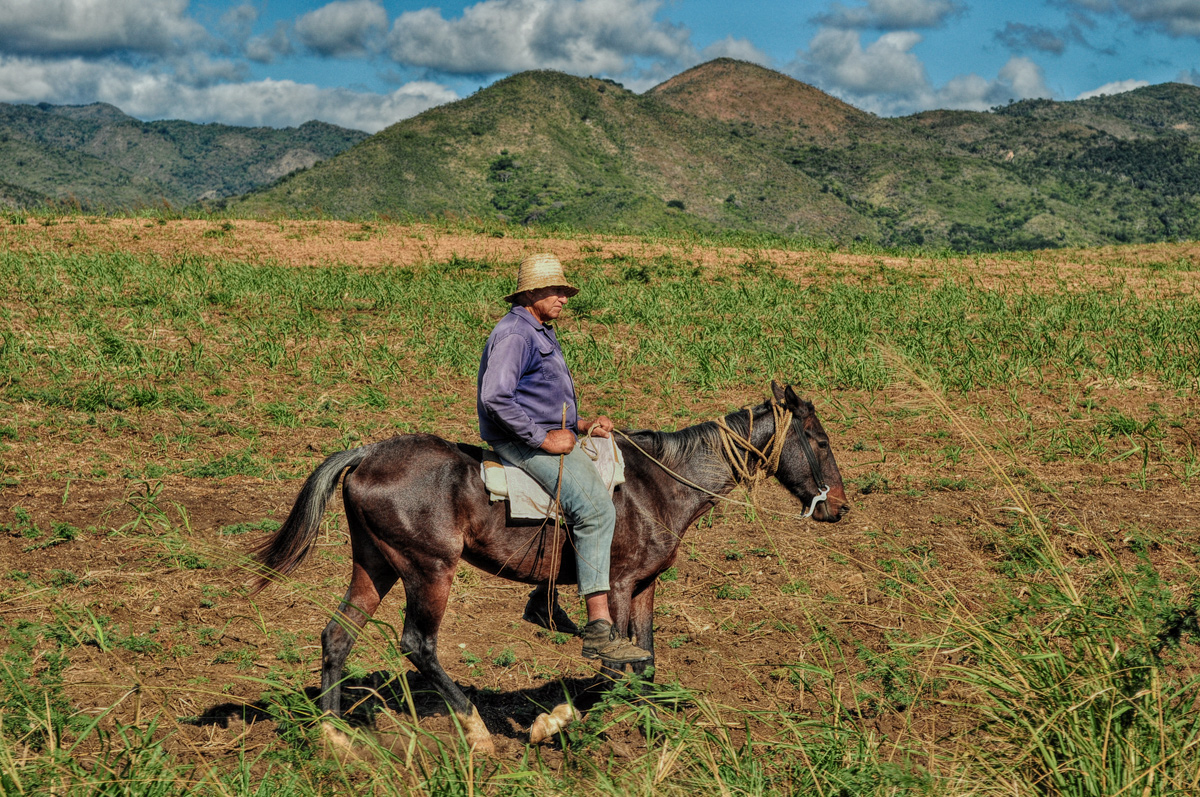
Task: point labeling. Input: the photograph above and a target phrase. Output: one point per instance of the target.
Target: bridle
(738, 450)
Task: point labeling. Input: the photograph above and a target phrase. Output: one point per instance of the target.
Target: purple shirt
(523, 382)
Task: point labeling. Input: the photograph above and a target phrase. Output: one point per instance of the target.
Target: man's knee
(592, 512)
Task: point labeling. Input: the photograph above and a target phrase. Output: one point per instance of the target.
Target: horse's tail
(283, 551)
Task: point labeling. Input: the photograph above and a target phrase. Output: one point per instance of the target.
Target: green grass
(110, 340)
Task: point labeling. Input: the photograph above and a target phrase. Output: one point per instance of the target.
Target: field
(1009, 608)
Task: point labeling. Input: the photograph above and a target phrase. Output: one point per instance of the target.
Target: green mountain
(101, 158)
(548, 147)
(730, 145)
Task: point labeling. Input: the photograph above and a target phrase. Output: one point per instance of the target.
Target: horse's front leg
(641, 626)
(619, 609)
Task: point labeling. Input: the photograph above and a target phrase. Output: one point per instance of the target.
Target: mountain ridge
(101, 158)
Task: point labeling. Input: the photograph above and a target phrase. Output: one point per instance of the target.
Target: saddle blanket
(527, 499)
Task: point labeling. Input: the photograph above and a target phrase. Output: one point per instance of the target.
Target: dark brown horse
(416, 505)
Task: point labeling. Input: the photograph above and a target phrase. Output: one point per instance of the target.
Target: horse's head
(806, 464)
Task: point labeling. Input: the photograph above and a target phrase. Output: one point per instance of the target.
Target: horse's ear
(791, 398)
(778, 391)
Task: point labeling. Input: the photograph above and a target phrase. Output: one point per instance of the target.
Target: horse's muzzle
(833, 508)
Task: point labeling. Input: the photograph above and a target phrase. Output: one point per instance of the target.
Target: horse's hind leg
(370, 581)
(428, 591)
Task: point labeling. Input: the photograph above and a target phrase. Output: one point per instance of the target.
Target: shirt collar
(523, 313)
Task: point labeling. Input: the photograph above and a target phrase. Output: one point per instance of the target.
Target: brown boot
(601, 641)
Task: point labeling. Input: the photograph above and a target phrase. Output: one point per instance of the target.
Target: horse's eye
(822, 444)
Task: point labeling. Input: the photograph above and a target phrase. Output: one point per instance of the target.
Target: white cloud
(344, 28)
(93, 27)
(577, 36)
(264, 48)
(890, 14)
(154, 95)
(1189, 76)
(886, 78)
(836, 58)
(238, 22)
(740, 49)
(1019, 79)
(1118, 87)
(197, 69)
(1025, 78)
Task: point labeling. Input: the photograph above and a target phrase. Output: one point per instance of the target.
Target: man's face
(548, 303)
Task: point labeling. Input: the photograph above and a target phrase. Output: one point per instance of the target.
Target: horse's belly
(533, 554)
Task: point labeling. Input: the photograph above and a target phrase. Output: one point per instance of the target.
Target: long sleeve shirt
(523, 382)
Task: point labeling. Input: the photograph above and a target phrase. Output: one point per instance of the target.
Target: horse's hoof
(341, 746)
(479, 739)
(334, 738)
(546, 725)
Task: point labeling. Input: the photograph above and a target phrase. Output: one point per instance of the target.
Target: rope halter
(738, 451)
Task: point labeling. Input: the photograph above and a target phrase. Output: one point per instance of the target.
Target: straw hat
(540, 271)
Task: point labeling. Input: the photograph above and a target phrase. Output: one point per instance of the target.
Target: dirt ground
(163, 559)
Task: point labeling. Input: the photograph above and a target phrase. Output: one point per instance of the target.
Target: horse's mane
(694, 445)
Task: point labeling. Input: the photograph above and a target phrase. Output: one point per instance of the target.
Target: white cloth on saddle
(527, 499)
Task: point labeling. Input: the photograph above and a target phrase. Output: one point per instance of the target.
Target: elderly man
(528, 413)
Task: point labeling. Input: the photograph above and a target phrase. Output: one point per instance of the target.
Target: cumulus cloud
(577, 36)
(156, 95)
(1119, 87)
(238, 22)
(237, 25)
(1178, 18)
(890, 14)
(740, 49)
(886, 78)
(836, 58)
(197, 69)
(1019, 79)
(344, 28)
(264, 49)
(96, 27)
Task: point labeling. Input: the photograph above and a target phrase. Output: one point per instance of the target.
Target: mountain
(731, 145)
(101, 158)
(736, 92)
(551, 148)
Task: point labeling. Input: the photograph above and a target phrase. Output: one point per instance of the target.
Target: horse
(416, 505)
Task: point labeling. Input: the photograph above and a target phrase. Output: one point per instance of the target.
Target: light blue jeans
(590, 515)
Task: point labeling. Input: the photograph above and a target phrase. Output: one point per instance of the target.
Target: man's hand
(559, 441)
(601, 427)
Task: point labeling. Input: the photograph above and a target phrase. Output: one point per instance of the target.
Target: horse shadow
(411, 694)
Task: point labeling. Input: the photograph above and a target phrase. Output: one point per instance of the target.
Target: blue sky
(367, 64)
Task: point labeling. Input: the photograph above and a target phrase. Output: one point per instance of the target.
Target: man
(528, 413)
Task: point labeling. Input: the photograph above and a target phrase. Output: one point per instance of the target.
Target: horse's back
(415, 469)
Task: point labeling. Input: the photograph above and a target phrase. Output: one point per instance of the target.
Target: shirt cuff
(539, 437)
